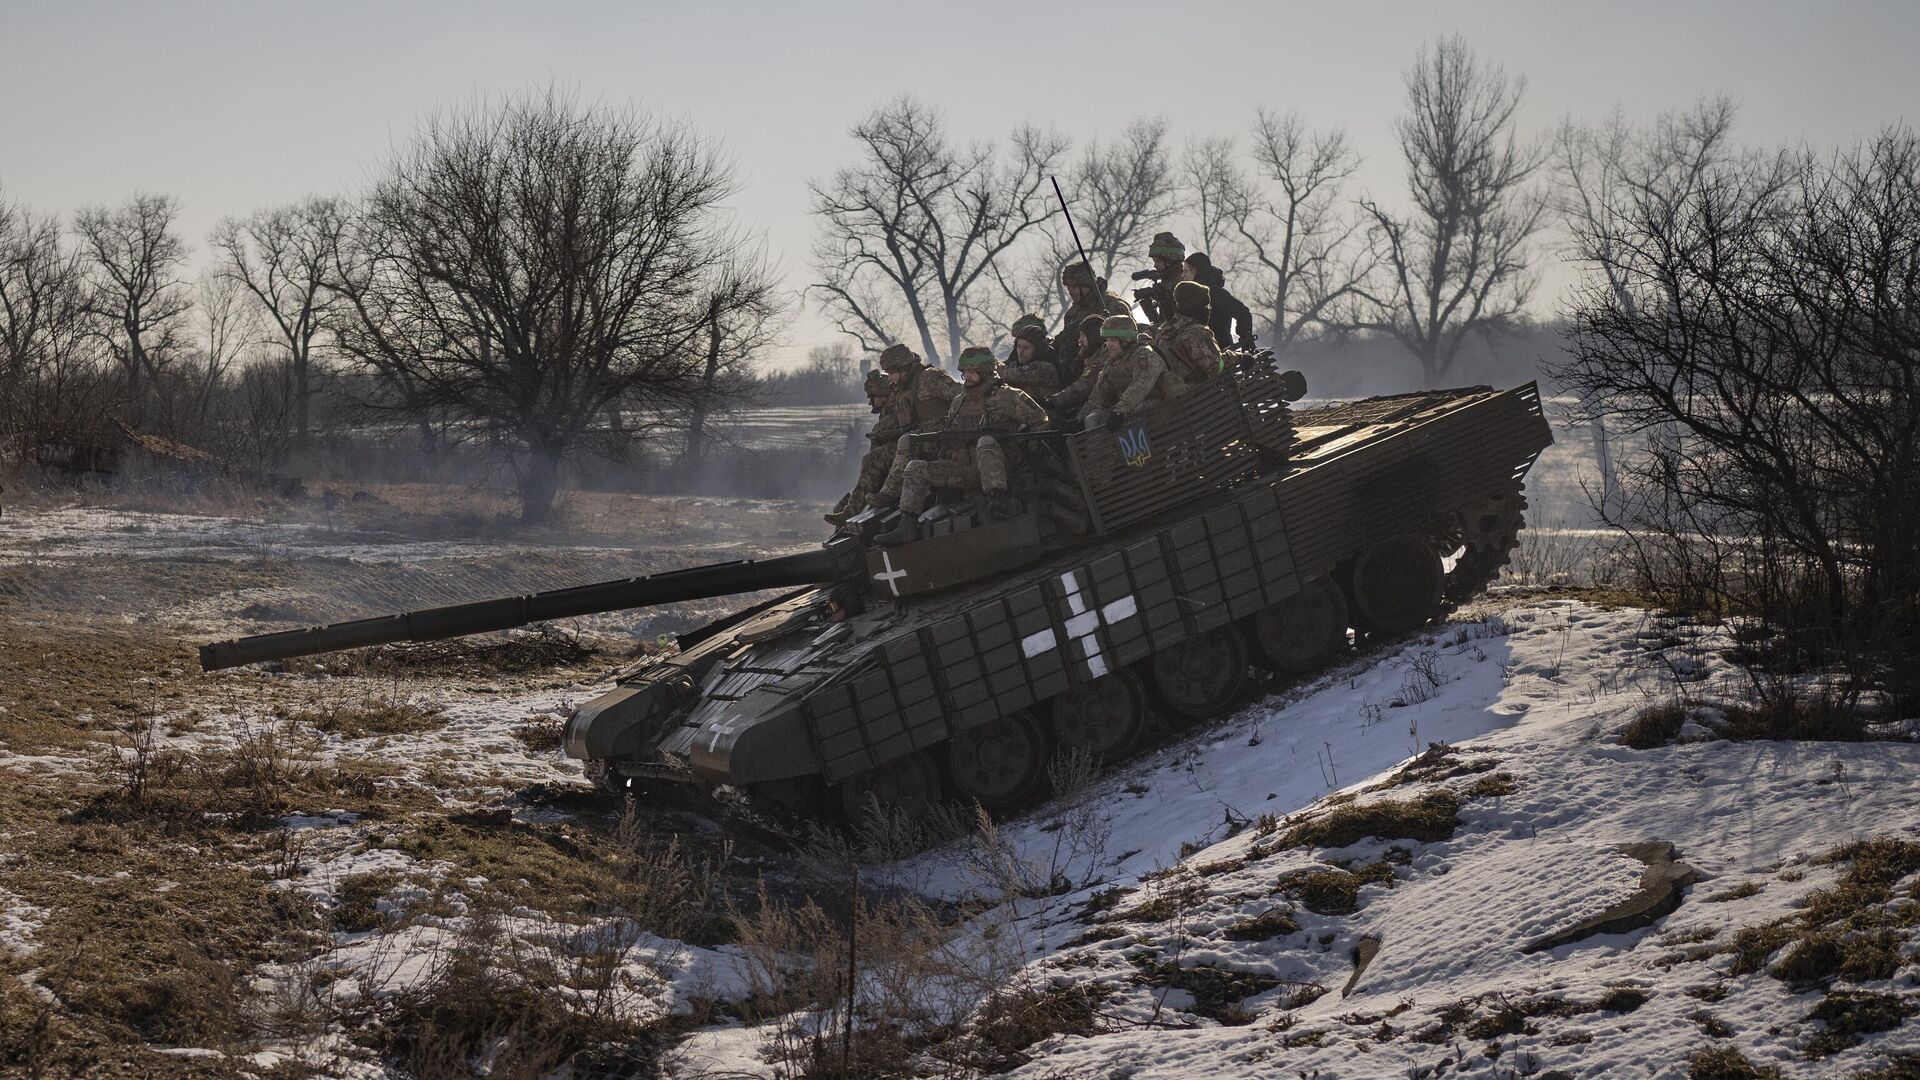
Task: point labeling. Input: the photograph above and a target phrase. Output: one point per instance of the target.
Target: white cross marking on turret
(1081, 625)
(891, 577)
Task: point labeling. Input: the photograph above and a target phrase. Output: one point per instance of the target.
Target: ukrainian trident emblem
(1134, 448)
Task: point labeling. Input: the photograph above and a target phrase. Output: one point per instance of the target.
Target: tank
(1155, 568)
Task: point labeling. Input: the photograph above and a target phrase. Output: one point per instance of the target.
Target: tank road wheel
(1103, 719)
(1203, 676)
(909, 786)
(1490, 532)
(1001, 764)
(1394, 586)
(1301, 633)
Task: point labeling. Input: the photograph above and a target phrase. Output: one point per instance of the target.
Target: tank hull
(795, 693)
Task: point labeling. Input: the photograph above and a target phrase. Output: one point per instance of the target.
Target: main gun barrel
(432, 624)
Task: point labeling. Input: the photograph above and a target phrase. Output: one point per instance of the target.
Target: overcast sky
(234, 106)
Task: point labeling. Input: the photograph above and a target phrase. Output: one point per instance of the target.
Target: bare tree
(1207, 173)
(282, 257)
(527, 266)
(134, 259)
(1457, 264)
(908, 233)
(1121, 193)
(1765, 305)
(40, 315)
(1287, 218)
(742, 318)
(1599, 172)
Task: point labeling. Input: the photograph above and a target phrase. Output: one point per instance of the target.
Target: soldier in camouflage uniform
(920, 392)
(1087, 297)
(1133, 377)
(1030, 365)
(984, 403)
(879, 456)
(1184, 340)
(1169, 257)
(1068, 402)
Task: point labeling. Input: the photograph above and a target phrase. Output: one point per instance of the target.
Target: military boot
(905, 531)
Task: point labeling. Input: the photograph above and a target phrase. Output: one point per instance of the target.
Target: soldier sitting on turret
(1087, 297)
(984, 404)
(1030, 365)
(879, 456)
(1183, 338)
(1134, 375)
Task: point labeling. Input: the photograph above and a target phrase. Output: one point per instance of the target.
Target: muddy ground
(157, 823)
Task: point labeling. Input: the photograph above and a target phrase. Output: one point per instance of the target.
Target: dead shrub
(1654, 726)
(512, 1008)
(368, 718)
(1849, 1015)
(1800, 717)
(1012, 1022)
(542, 736)
(1217, 992)
(1753, 945)
(1333, 891)
(356, 901)
(1727, 1063)
(1814, 958)
(1269, 924)
(1427, 818)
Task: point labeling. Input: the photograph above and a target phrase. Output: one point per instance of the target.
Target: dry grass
(1848, 1016)
(1727, 1063)
(1269, 924)
(367, 718)
(1425, 818)
(1332, 891)
(1654, 726)
(1217, 992)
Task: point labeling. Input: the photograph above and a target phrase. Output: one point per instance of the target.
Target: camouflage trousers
(912, 479)
(874, 466)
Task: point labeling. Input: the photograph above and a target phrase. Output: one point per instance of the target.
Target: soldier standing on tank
(985, 403)
(1134, 376)
(1030, 365)
(1184, 341)
(879, 456)
(1087, 297)
(1169, 269)
(1226, 314)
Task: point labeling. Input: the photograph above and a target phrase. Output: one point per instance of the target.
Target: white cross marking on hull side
(891, 577)
(1081, 625)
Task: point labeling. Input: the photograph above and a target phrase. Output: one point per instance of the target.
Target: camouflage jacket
(1137, 379)
(1187, 345)
(991, 406)
(1066, 345)
(921, 405)
(887, 428)
(1038, 377)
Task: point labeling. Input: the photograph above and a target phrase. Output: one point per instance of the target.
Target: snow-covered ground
(1534, 697)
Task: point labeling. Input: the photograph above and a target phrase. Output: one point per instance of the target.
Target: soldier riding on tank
(1087, 297)
(1133, 377)
(1169, 269)
(1030, 364)
(1183, 339)
(879, 456)
(984, 404)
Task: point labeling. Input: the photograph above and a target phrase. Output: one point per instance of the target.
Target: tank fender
(622, 722)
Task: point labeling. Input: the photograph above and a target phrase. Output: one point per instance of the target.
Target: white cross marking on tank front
(1080, 626)
(891, 577)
